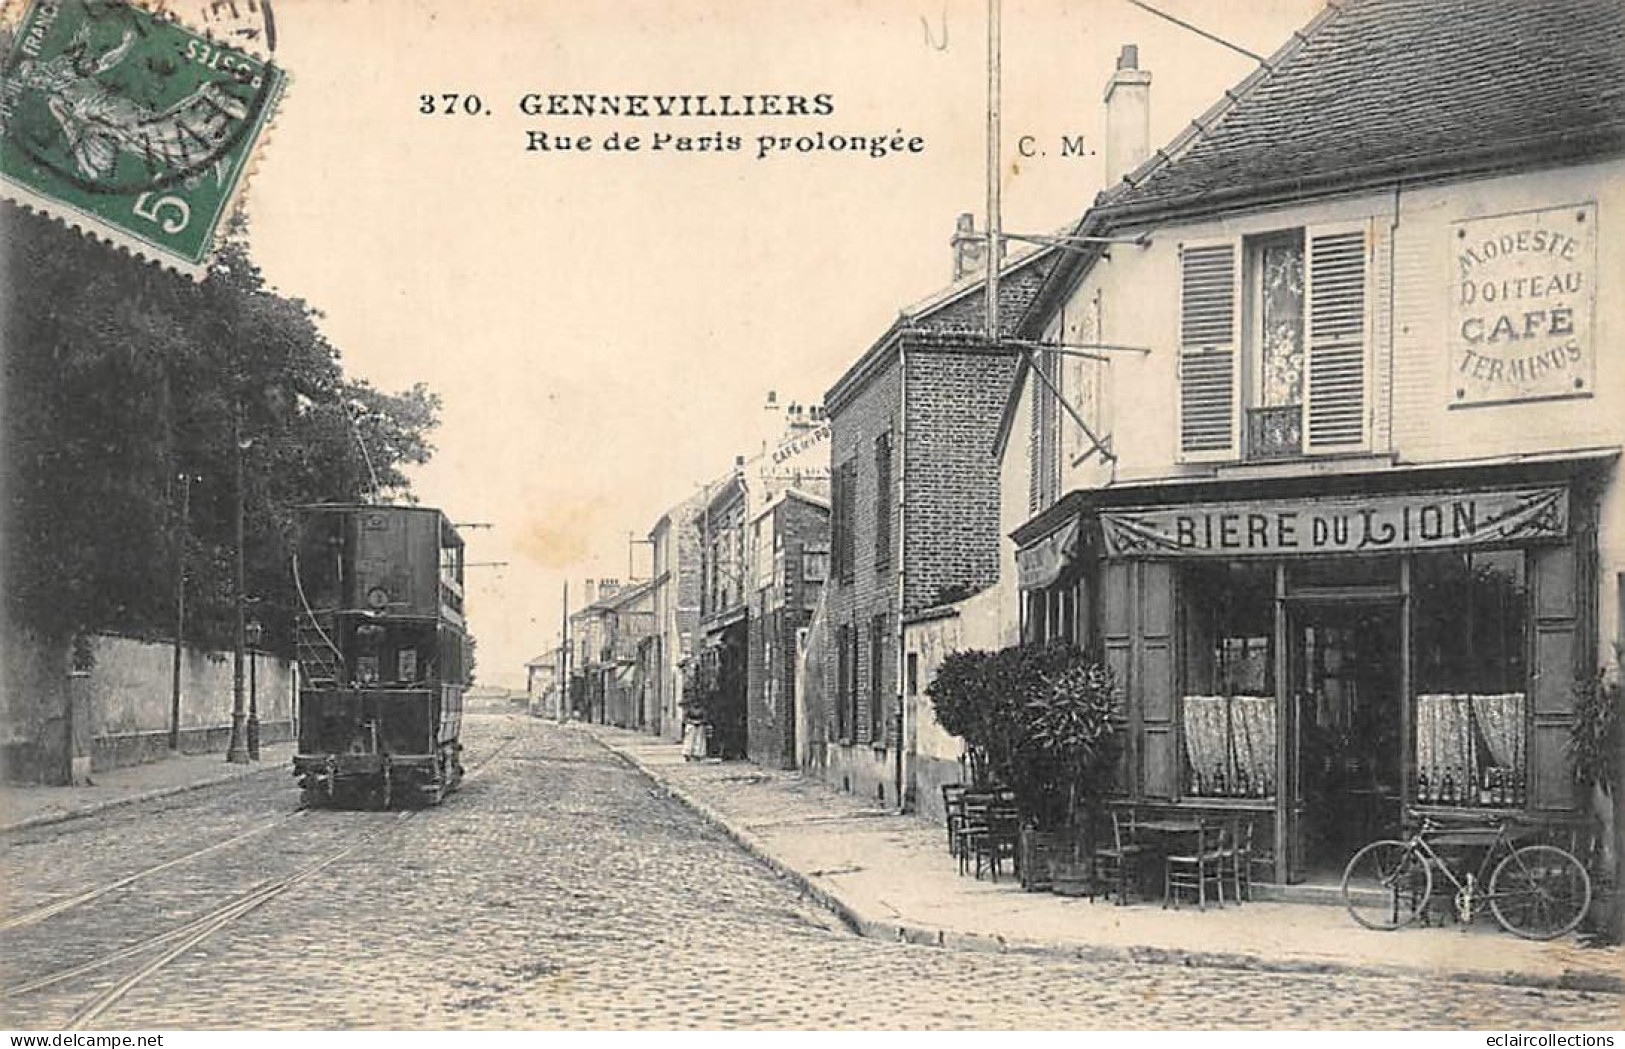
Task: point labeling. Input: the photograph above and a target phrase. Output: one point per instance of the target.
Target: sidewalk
(890, 877)
(25, 807)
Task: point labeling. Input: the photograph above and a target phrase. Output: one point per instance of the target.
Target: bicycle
(1538, 892)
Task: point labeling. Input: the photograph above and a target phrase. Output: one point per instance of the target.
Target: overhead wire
(1260, 59)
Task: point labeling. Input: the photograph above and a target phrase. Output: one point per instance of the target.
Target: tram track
(50, 910)
(175, 942)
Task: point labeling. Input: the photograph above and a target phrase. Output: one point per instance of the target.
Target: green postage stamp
(130, 125)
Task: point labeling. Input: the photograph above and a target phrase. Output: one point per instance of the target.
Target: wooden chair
(953, 808)
(1002, 840)
(1118, 865)
(1236, 863)
(1196, 868)
(977, 808)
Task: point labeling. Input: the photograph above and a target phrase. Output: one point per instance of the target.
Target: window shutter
(885, 500)
(1335, 300)
(1209, 373)
(1557, 662)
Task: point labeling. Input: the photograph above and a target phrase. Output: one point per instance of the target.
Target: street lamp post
(235, 752)
(254, 633)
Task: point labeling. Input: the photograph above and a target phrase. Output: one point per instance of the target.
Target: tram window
(451, 564)
(321, 560)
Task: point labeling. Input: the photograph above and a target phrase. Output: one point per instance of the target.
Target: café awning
(1040, 563)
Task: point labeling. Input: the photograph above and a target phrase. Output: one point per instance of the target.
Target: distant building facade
(542, 684)
(605, 636)
(789, 553)
(675, 544)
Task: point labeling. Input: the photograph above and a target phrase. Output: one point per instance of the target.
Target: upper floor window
(1082, 379)
(843, 490)
(884, 501)
(1273, 334)
(1044, 467)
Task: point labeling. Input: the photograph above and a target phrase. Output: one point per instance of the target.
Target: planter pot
(1072, 878)
(1055, 861)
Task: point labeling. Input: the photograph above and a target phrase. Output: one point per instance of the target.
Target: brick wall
(951, 535)
(854, 425)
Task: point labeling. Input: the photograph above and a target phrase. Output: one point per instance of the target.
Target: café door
(1344, 715)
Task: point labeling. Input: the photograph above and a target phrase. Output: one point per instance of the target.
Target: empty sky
(603, 327)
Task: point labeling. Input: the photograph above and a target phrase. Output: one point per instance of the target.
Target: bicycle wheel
(1387, 884)
(1539, 892)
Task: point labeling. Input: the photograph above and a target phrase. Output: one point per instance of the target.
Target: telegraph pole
(994, 171)
(564, 658)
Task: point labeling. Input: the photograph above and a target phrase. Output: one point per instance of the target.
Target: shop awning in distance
(1041, 562)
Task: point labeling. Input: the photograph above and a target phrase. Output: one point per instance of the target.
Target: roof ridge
(1231, 97)
(949, 293)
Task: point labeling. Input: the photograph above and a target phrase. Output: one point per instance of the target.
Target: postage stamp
(131, 125)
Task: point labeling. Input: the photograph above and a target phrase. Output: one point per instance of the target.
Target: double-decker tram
(382, 648)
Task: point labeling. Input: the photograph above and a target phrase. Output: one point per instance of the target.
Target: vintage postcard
(1054, 515)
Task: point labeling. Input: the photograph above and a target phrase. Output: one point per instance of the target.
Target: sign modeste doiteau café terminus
(1354, 524)
(1520, 306)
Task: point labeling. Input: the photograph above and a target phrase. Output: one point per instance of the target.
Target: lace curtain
(1444, 741)
(1206, 751)
(1226, 736)
(1282, 325)
(1500, 720)
(1253, 721)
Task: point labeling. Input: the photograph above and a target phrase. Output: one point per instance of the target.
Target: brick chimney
(592, 591)
(1128, 116)
(970, 248)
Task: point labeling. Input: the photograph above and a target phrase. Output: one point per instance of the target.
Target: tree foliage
(1595, 736)
(130, 393)
(1040, 719)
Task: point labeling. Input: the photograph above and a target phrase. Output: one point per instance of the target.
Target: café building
(1321, 454)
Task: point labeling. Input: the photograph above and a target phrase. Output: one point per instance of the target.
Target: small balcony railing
(1275, 432)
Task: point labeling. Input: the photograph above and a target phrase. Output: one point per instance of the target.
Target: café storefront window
(1470, 672)
(1228, 709)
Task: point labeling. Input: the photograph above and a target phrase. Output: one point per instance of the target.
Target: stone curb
(97, 807)
(875, 929)
(745, 840)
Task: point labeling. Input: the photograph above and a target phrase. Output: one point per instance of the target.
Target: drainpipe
(899, 784)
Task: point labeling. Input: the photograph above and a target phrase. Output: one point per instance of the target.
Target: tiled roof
(1377, 89)
(965, 314)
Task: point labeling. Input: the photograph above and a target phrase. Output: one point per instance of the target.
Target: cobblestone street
(560, 888)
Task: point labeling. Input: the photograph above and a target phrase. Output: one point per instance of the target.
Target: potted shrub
(1594, 747)
(1040, 719)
